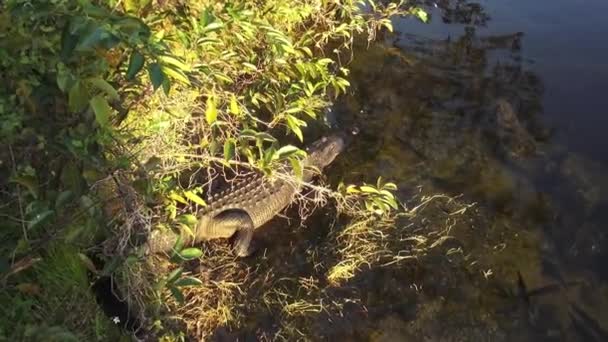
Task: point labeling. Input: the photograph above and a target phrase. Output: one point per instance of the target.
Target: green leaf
(287, 150)
(390, 186)
(176, 74)
(294, 125)
(136, 62)
(420, 14)
(352, 189)
(250, 66)
(229, 147)
(174, 275)
(77, 98)
(187, 219)
(170, 60)
(102, 110)
(211, 110)
(369, 189)
(156, 75)
(263, 136)
(63, 198)
(234, 106)
(40, 218)
(387, 23)
(92, 39)
(64, 77)
(213, 27)
(177, 294)
(206, 18)
(190, 253)
(131, 6)
(178, 245)
(188, 281)
(195, 198)
(29, 182)
(104, 86)
(296, 166)
(174, 196)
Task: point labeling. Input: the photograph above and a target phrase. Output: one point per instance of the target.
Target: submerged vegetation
(118, 119)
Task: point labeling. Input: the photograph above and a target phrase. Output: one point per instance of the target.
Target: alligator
(252, 202)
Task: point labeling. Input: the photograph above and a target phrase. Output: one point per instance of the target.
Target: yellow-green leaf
(194, 198)
(176, 74)
(229, 147)
(190, 253)
(170, 60)
(234, 106)
(187, 219)
(211, 110)
(369, 189)
(177, 198)
(296, 166)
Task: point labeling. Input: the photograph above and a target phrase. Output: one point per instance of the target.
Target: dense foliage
(104, 105)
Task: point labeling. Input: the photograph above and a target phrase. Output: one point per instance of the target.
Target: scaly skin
(251, 203)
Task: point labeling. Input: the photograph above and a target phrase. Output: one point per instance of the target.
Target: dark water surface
(504, 102)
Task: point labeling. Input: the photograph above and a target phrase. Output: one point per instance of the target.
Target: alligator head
(323, 151)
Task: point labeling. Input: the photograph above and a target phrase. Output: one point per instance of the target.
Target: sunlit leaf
(229, 147)
(187, 219)
(194, 198)
(296, 166)
(211, 110)
(190, 253)
(287, 150)
(187, 229)
(176, 74)
(170, 60)
(294, 125)
(234, 106)
(351, 189)
(177, 198)
(250, 66)
(390, 186)
(420, 14)
(369, 189)
(213, 27)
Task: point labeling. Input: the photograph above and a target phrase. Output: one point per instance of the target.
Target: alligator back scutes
(243, 195)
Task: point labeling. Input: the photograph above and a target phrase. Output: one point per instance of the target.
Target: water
(504, 103)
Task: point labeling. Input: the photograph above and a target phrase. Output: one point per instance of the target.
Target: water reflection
(463, 115)
(459, 11)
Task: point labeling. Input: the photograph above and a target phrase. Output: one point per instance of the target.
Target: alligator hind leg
(239, 221)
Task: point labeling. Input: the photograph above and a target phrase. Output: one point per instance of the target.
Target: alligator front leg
(234, 221)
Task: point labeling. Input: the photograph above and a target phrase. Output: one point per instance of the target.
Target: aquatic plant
(118, 118)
